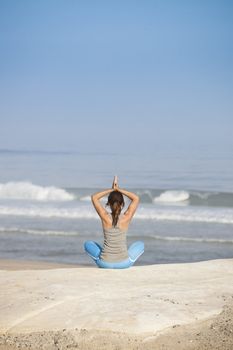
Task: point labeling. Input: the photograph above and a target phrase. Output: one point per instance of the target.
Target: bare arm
(129, 213)
(102, 212)
(96, 196)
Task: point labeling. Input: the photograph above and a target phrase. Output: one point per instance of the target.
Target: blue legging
(93, 249)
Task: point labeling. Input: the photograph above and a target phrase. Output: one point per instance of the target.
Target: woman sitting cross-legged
(114, 253)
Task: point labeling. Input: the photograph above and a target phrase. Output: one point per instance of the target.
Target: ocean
(185, 212)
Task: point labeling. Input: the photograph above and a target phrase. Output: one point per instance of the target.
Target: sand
(14, 265)
(174, 306)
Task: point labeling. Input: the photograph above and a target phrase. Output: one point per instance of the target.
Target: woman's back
(115, 244)
(114, 253)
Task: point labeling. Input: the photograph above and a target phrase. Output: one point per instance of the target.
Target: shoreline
(19, 265)
(173, 307)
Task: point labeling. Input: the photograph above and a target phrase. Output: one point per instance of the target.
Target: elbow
(94, 198)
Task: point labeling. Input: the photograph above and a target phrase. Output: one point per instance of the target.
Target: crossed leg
(135, 250)
(93, 249)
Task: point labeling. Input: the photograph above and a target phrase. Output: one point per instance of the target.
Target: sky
(116, 76)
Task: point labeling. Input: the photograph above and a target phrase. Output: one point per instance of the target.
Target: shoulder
(123, 223)
(107, 222)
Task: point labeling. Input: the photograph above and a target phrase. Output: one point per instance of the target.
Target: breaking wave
(29, 191)
(172, 196)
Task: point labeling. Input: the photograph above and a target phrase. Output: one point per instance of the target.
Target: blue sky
(116, 75)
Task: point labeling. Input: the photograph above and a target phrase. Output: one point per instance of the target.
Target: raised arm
(102, 212)
(129, 213)
(96, 197)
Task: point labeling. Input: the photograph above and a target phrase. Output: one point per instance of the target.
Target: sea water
(185, 212)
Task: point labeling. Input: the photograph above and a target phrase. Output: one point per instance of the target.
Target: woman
(114, 253)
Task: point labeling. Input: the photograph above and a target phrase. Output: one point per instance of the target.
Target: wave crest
(29, 191)
(172, 197)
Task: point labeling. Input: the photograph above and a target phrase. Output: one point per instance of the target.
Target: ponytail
(116, 210)
(116, 202)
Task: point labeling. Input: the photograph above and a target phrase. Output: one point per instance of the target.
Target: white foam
(50, 212)
(86, 199)
(192, 239)
(76, 233)
(29, 191)
(185, 214)
(38, 232)
(172, 196)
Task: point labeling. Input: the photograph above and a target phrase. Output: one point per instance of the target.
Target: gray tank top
(115, 245)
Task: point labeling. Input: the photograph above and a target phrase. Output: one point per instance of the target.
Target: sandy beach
(15, 265)
(173, 306)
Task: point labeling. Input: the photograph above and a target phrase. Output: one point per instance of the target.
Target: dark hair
(116, 202)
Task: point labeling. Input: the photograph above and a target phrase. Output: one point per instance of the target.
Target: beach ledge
(172, 306)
